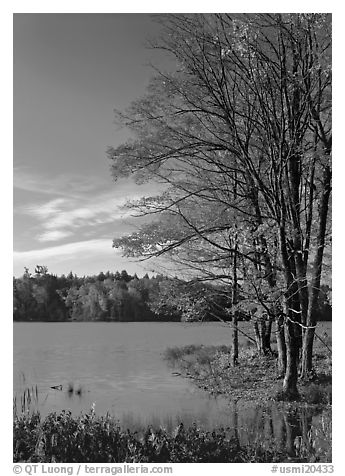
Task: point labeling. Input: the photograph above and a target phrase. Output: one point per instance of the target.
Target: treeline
(118, 296)
(115, 297)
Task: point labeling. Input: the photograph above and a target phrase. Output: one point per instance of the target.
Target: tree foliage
(240, 134)
(116, 297)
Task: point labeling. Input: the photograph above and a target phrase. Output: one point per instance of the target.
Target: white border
(100, 6)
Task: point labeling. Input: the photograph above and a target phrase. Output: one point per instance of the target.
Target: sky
(70, 72)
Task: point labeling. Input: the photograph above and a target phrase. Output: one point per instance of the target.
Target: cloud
(82, 257)
(46, 210)
(99, 246)
(84, 216)
(61, 217)
(60, 185)
(54, 235)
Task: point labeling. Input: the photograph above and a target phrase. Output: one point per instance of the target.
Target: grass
(27, 400)
(316, 394)
(255, 377)
(62, 438)
(210, 368)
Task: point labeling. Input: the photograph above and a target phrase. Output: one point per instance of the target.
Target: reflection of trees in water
(298, 423)
(288, 429)
(235, 423)
(272, 428)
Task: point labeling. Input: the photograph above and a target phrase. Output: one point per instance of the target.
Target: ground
(255, 377)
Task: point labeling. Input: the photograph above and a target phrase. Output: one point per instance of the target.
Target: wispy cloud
(99, 246)
(59, 218)
(71, 204)
(45, 210)
(60, 185)
(54, 235)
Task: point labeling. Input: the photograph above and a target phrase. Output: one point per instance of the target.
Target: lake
(119, 368)
(116, 366)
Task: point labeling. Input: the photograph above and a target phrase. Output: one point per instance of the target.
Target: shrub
(62, 438)
(317, 394)
(173, 354)
(26, 431)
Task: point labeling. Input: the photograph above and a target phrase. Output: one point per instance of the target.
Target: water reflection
(131, 381)
(287, 430)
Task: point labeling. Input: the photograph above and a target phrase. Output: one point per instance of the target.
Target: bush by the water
(63, 438)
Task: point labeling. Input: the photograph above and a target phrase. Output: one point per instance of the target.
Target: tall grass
(62, 438)
(27, 401)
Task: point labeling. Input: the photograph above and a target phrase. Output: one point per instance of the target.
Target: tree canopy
(240, 134)
(117, 297)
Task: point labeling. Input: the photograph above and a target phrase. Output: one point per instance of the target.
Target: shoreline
(62, 438)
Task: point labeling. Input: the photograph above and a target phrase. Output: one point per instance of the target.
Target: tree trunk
(293, 336)
(291, 328)
(292, 351)
(308, 338)
(258, 340)
(307, 353)
(267, 336)
(234, 354)
(281, 347)
(262, 331)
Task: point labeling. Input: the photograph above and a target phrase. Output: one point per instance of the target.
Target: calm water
(119, 368)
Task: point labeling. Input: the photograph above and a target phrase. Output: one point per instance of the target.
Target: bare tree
(241, 136)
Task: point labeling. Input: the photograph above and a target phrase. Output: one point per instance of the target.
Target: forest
(118, 296)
